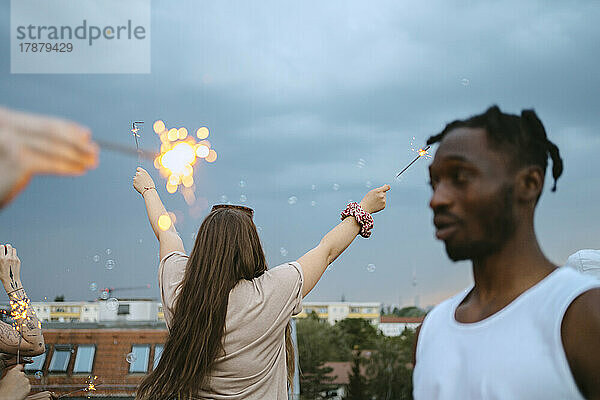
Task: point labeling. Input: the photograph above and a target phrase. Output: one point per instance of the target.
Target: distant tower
(414, 285)
(343, 298)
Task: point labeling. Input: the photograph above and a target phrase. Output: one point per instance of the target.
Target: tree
(357, 387)
(60, 298)
(411, 312)
(389, 369)
(317, 344)
(357, 333)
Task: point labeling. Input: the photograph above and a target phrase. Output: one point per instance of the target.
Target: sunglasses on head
(247, 210)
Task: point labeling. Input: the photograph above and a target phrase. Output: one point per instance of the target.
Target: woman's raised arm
(168, 239)
(337, 240)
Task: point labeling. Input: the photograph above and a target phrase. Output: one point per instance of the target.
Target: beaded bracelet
(364, 219)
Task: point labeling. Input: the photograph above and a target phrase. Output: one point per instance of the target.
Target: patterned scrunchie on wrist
(364, 219)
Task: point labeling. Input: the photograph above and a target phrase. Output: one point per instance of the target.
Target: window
(140, 353)
(84, 359)
(158, 349)
(123, 309)
(60, 358)
(354, 309)
(38, 362)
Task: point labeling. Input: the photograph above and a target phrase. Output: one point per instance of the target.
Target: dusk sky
(298, 94)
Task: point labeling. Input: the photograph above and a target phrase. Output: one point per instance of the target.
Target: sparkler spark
(179, 152)
(91, 386)
(19, 313)
(422, 153)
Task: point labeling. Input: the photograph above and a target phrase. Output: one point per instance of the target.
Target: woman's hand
(142, 181)
(10, 268)
(14, 385)
(374, 201)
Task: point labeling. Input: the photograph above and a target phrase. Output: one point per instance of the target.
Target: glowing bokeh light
(202, 151)
(173, 134)
(176, 159)
(159, 126)
(182, 133)
(164, 222)
(212, 156)
(187, 181)
(171, 188)
(179, 152)
(202, 133)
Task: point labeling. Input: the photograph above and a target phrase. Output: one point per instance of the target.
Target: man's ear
(529, 184)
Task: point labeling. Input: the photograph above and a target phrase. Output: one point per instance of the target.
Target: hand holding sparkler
(34, 144)
(143, 181)
(25, 336)
(375, 200)
(14, 385)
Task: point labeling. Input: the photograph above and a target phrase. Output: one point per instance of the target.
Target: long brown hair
(227, 249)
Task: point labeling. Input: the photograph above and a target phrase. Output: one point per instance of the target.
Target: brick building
(119, 355)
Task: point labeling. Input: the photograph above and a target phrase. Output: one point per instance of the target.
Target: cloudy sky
(296, 94)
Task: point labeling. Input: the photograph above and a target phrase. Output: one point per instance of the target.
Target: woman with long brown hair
(227, 314)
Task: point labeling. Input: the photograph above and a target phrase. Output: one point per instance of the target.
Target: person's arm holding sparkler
(33, 144)
(337, 240)
(26, 336)
(14, 385)
(157, 214)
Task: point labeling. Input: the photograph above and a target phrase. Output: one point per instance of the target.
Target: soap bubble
(112, 304)
(368, 184)
(110, 264)
(108, 252)
(292, 200)
(93, 286)
(140, 241)
(313, 203)
(39, 375)
(242, 183)
(313, 187)
(104, 295)
(131, 358)
(464, 82)
(335, 187)
(224, 199)
(243, 198)
(361, 163)
(259, 229)
(96, 258)
(371, 268)
(283, 251)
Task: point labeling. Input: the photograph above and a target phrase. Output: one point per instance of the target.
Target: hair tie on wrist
(146, 189)
(364, 219)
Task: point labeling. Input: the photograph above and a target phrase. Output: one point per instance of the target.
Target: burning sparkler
(179, 153)
(91, 386)
(19, 308)
(134, 131)
(422, 153)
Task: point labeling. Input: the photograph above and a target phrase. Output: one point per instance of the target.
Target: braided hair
(524, 136)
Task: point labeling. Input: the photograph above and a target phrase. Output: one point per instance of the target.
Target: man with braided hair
(525, 329)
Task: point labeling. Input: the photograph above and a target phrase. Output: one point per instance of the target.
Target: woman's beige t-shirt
(254, 364)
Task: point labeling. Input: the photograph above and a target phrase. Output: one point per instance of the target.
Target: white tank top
(516, 353)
